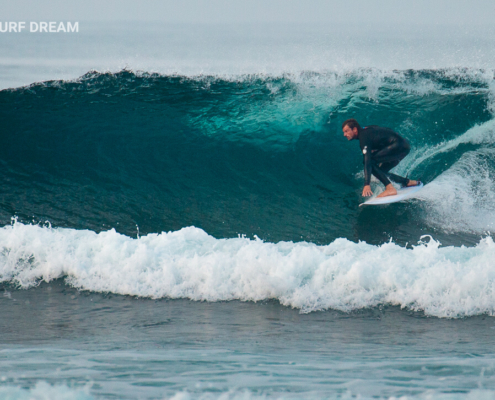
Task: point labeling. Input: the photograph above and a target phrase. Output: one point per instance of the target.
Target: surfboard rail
(402, 194)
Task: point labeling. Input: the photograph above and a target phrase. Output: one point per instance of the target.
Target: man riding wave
(382, 150)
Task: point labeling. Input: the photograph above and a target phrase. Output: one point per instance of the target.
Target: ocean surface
(179, 214)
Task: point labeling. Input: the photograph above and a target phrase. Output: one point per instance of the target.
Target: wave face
(255, 154)
(441, 281)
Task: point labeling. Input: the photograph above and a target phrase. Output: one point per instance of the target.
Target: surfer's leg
(382, 177)
(385, 167)
(386, 159)
(379, 174)
(390, 157)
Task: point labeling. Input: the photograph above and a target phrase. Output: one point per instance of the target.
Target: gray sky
(462, 12)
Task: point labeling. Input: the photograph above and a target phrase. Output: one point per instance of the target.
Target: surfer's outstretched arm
(365, 143)
(367, 173)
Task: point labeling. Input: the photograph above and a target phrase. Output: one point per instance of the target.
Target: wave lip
(441, 281)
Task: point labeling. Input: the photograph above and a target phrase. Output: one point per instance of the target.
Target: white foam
(476, 394)
(483, 134)
(463, 197)
(44, 391)
(442, 281)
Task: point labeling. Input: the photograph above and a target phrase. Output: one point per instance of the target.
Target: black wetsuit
(382, 149)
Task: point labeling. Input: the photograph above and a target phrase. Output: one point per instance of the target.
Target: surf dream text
(41, 27)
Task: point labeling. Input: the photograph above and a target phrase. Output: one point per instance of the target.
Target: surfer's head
(351, 128)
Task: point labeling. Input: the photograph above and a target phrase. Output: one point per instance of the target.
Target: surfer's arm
(365, 144)
(367, 172)
(367, 168)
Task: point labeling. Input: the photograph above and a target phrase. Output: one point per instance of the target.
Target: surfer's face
(350, 133)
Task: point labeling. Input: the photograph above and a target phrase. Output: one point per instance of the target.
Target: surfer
(382, 149)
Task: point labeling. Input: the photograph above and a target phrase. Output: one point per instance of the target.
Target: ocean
(179, 213)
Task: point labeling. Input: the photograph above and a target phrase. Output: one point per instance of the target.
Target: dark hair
(351, 123)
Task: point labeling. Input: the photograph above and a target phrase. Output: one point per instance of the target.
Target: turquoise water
(252, 155)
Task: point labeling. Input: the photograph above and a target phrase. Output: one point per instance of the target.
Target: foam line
(441, 281)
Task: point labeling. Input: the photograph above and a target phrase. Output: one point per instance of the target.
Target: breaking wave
(441, 281)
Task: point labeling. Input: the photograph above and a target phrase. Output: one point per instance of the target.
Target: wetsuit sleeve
(367, 167)
(365, 144)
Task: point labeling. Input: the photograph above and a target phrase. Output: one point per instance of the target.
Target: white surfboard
(402, 194)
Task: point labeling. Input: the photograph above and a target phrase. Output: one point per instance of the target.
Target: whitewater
(441, 281)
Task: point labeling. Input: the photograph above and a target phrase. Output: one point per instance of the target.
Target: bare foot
(389, 191)
(412, 183)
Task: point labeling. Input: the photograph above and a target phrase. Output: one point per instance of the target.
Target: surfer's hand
(367, 191)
